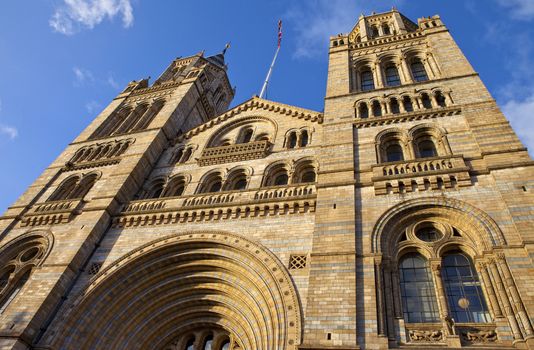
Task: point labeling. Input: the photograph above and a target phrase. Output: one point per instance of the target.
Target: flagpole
(264, 87)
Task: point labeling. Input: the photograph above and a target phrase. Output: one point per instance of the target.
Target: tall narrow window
(394, 153)
(215, 187)
(366, 80)
(407, 103)
(178, 155)
(426, 149)
(417, 290)
(14, 292)
(386, 30)
(392, 76)
(304, 138)
(418, 70)
(187, 155)
(394, 106)
(247, 136)
(426, 101)
(377, 109)
(363, 110)
(374, 32)
(464, 292)
(440, 99)
(292, 141)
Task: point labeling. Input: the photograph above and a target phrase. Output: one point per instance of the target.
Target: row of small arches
(278, 174)
(101, 151)
(129, 118)
(74, 187)
(401, 104)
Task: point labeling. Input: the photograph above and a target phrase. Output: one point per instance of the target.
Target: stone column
(440, 291)
(378, 74)
(389, 301)
(384, 107)
(406, 70)
(380, 305)
(512, 289)
(504, 300)
(488, 287)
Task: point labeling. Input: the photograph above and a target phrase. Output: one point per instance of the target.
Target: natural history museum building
(402, 216)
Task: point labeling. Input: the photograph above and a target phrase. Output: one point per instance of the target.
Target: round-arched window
(429, 234)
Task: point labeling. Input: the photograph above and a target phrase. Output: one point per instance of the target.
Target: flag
(279, 32)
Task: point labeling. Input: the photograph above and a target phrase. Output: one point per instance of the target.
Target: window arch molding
(391, 78)
(176, 185)
(361, 81)
(469, 232)
(275, 171)
(388, 138)
(75, 186)
(18, 258)
(212, 182)
(298, 137)
(270, 126)
(429, 132)
(305, 170)
(235, 177)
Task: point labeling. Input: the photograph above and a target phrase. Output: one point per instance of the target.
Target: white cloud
(8, 130)
(73, 15)
(112, 82)
(314, 21)
(82, 76)
(519, 9)
(92, 106)
(520, 114)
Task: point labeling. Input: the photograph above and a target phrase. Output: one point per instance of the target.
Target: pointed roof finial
(226, 47)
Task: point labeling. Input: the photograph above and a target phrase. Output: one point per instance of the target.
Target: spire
(218, 59)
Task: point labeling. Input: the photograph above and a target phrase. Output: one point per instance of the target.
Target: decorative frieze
(234, 153)
(407, 117)
(419, 175)
(52, 213)
(478, 335)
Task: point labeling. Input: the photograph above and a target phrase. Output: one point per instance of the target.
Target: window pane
(418, 71)
(367, 80)
(281, 180)
(427, 149)
(392, 76)
(464, 292)
(394, 153)
(417, 290)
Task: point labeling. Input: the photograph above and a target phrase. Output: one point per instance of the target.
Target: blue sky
(62, 61)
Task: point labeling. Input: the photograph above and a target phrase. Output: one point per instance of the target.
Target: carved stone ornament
(479, 336)
(426, 336)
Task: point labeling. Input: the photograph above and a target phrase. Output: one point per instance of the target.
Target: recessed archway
(188, 281)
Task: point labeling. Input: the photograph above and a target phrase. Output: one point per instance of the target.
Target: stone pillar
(488, 287)
(389, 296)
(406, 70)
(512, 289)
(380, 305)
(504, 300)
(384, 107)
(440, 291)
(378, 75)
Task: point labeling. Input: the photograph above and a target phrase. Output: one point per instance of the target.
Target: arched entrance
(209, 284)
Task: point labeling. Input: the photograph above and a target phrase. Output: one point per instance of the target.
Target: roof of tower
(218, 59)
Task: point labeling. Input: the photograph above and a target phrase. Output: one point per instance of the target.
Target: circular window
(29, 254)
(428, 234)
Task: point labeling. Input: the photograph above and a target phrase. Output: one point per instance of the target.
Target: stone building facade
(401, 216)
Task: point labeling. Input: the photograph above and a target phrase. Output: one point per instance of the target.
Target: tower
(398, 217)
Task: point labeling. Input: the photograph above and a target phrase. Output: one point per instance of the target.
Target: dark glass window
(427, 149)
(377, 109)
(386, 29)
(367, 80)
(407, 102)
(426, 101)
(394, 106)
(394, 153)
(463, 289)
(216, 186)
(247, 136)
(440, 99)
(186, 156)
(240, 184)
(392, 76)
(364, 111)
(190, 344)
(429, 234)
(281, 180)
(308, 176)
(374, 32)
(417, 290)
(418, 71)
(304, 138)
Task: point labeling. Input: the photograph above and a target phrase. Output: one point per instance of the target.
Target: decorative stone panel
(54, 212)
(234, 153)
